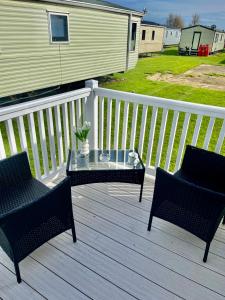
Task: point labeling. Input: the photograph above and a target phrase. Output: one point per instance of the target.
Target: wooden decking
(115, 257)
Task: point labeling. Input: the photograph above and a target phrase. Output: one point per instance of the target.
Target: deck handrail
(17, 110)
(182, 106)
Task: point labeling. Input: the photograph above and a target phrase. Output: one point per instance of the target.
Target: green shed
(194, 36)
(54, 42)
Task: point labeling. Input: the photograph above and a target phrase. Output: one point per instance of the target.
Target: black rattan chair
(194, 197)
(30, 213)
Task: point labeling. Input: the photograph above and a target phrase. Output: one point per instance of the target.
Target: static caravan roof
(206, 27)
(98, 4)
(172, 28)
(149, 23)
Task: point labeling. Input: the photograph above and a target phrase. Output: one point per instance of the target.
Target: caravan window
(153, 35)
(59, 29)
(143, 35)
(133, 37)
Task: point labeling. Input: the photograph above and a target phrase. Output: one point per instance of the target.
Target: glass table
(106, 166)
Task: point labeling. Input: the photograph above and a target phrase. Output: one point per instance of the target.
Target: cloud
(211, 12)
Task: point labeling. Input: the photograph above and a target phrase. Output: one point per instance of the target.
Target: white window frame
(52, 13)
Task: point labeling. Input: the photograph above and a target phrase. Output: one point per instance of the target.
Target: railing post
(92, 113)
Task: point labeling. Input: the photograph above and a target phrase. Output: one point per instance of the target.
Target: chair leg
(150, 222)
(206, 252)
(17, 270)
(141, 191)
(73, 231)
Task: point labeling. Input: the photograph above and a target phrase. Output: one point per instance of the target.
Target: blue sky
(210, 11)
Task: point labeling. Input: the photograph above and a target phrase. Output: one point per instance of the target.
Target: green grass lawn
(136, 81)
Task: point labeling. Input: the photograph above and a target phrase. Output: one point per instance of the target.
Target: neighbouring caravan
(50, 43)
(151, 39)
(194, 36)
(172, 37)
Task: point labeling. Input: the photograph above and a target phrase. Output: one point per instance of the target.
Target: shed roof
(206, 27)
(101, 4)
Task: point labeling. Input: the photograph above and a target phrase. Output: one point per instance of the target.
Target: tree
(175, 21)
(178, 22)
(169, 21)
(195, 20)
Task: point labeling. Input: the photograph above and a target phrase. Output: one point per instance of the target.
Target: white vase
(84, 150)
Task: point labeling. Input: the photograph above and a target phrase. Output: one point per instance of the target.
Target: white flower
(86, 125)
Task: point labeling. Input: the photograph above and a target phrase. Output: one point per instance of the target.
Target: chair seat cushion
(20, 196)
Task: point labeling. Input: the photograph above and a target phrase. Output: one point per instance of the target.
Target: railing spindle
(11, 136)
(143, 126)
(221, 138)
(41, 126)
(2, 148)
(171, 139)
(161, 138)
(72, 126)
(125, 123)
(209, 133)
(134, 126)
(117, 125)
(109, 121)
(83, 101)
(197, 130)
(101, 123)
(182, 140)
(66, 128)
(33, 140)
(22, 134)
(59, 134)
(78, 113)
(51, 138)
(78, 117)
(151, 135)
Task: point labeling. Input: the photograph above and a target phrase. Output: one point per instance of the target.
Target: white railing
(159, 128)
(44, 129)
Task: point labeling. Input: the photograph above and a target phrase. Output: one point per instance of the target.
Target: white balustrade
(166, 126)
(159, 128)
(46, 126)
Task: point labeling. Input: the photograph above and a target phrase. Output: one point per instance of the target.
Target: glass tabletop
(105, 160)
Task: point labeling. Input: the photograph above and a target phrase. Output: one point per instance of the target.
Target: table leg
(141, 191)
